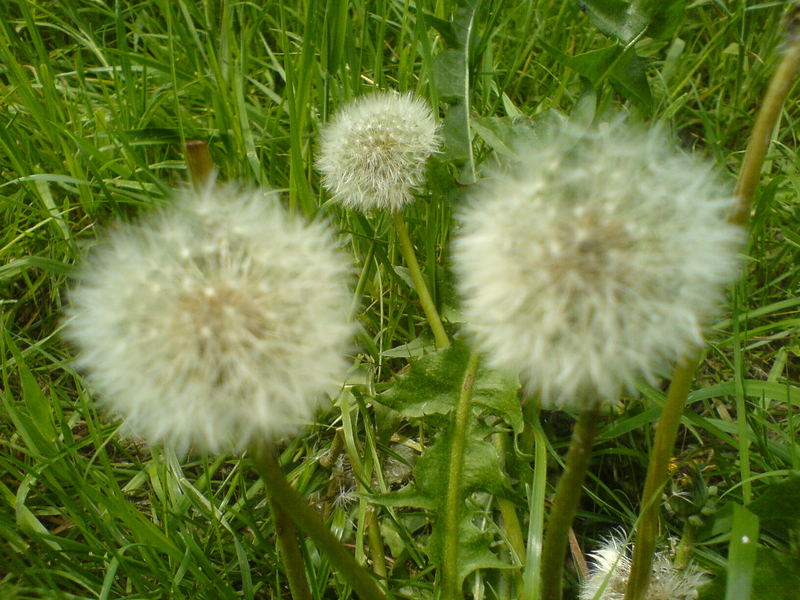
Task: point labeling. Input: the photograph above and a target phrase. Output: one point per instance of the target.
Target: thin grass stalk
(782, 82)
(428, 307)
(565, 504)
(309, 522)
(452, 506)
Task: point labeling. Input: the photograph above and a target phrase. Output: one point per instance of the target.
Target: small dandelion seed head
(594, 262)
(213, 323)
(373, 152)
(611, 568)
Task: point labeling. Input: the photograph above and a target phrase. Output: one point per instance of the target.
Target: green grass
(95, 100)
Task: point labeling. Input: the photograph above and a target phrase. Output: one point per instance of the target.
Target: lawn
(97, 101)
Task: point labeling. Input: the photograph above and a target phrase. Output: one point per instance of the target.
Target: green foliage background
(95, 100)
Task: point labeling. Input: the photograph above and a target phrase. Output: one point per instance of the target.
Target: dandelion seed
(213, 323)
(611, 568)
(373, 152)
(595, 262)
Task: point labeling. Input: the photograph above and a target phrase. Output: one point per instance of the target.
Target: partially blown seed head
(213, 323)
(594, 262)
(611, 568)
(373, 151)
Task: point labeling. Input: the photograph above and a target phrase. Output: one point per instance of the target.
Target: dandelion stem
(453, 500)
(201, 167)
(779, 87)
(663, 444)
(286, 532)
(310, 523)
(749, 175)
(565, 503)
(431, 314)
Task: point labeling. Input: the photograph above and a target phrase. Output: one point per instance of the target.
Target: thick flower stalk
(611, 568)
(373, 152)
(595, 262)
(215, 323)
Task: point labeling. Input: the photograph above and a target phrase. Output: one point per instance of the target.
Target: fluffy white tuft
(213, 323)
(373, 151)
(594, 262)
(611, 569)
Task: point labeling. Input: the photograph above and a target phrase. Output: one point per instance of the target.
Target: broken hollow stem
(428, 307)
(201, 166)
(565, 504)
(309, 522)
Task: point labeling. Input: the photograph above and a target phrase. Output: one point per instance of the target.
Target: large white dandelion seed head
(214, 323)
(373, 152)
(611, 568)
(594, 262)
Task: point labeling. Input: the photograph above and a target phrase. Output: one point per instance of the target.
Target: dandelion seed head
(594, 262)
(215, 322)
(373, 152)
(611, 568)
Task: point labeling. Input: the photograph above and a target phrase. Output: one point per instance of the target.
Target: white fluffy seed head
(214, 323)
(594, 262)
(373, 152)
(611, 568)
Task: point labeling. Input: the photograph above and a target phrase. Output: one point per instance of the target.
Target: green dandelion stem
(309, 522)
(666, 432)
(431, 314)
(780, 85)
(289, 545)
(453, 500)
(565, 504)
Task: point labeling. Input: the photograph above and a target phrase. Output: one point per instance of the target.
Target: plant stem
(749, 175)
(431, 314)
(453, 499)
(660, 455)
(201, 167)
(376, 552)
(565, 503)
(310, 523)
(289, 546)
(779, 87)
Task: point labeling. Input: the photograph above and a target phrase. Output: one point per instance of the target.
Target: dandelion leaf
(433, 384)
(777, 506)
(474, 549)
(450, 74)
(481, 469)
(625, 70)
(627, 20)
